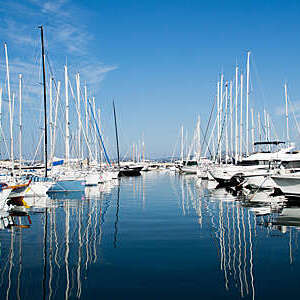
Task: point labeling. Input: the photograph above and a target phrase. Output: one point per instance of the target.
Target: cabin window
(291, 164)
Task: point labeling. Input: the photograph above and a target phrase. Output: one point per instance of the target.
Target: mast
(10, 112)
(45, 103)
(55, 121)
(117, 137)
(67, 146)
(226, 121)
(252, 129)
(241, 119)
(247, 107)
(268, 129)
(259, 126)
(236, 113)
(198, 140)
(143, 145)
(133, 152)
(218, 114)
(265, 123)
(231, 120)
(0, 116)
(95, 134)
(221, 121)
(20, 118)
(286, 113)
(99, 122)
(86, 117)
(51, 115)
(79, 115)
(182, 144)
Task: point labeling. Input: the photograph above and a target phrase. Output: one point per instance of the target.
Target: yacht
(254, 170)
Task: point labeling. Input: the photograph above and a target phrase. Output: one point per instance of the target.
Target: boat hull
(288, 184)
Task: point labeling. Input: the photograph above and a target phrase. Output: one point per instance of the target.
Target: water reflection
(72, 230)
(234, 217)
(52, 248)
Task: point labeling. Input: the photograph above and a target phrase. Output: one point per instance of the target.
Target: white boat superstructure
(255, 170)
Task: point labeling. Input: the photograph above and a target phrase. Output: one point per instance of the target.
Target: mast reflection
(71, 240)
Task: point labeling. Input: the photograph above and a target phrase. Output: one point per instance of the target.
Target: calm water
(156, 236)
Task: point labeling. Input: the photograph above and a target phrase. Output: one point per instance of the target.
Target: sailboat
(129, 170)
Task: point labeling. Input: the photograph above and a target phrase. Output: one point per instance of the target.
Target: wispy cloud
(74, 39)
(16, 33)
(52, 6)
(66, 37)
(94, 74)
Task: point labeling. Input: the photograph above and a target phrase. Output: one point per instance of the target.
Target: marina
(149, 149)
(156, 235)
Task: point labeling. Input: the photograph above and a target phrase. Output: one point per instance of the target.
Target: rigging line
(207, 127)
(5, 143)
(56, 88)
(89, 125)
(82, 127)
(99, 135)
(204, 140)
(37, 148)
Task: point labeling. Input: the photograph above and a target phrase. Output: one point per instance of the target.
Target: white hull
(201, 173)
(288, 184)
(3, 199)
(188, 170)
(261, 182)
(38, 189)
(92, 179)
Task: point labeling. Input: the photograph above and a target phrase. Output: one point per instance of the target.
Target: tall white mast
(252, 129)
(231, 119)
(86, 115)
(186, 145)
(226, 122)
(286, 113)
(218, 113)
(99, 125)
(67, 147)
(55, 120)
(95, 137)
(259, 126)
(10, 112)
(198, 141)
(143, 145)
(269, 132)
(133, 152)
(221, 112)
(266, 127)
(236, 113)
(247, 107)
(181, 154)
(79, 115)
(241, 119)
(213, 149)
(20, 118)
(51, 115)
(0, 116)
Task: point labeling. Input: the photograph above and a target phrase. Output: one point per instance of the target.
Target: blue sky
(159, 60)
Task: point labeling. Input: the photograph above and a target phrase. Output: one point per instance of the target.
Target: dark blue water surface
(157, 236)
